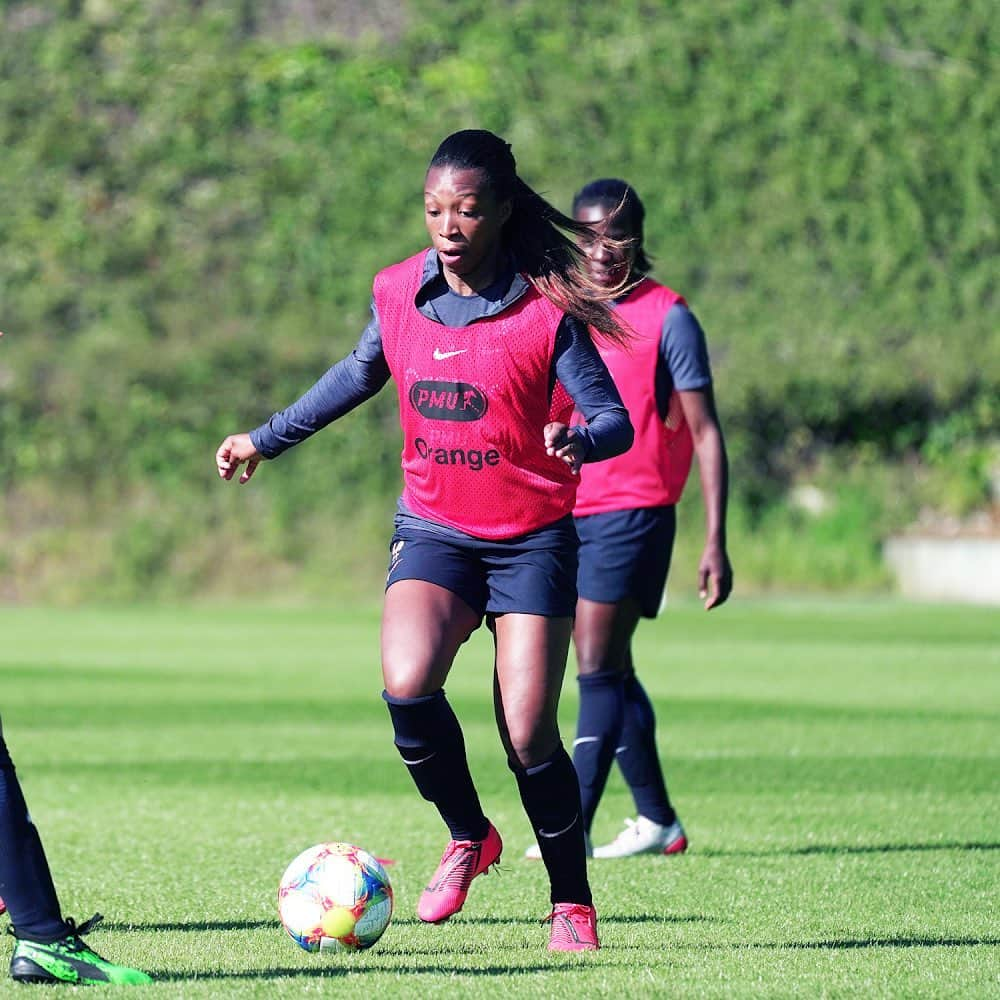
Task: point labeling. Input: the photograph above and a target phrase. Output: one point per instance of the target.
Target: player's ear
(506, 210)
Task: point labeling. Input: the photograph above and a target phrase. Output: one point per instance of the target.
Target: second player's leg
(617, 723)
(602, 636)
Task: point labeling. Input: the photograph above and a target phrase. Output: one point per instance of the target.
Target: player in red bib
(485, 335)
(625, 517)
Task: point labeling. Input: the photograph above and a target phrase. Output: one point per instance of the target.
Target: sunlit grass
(835, 764)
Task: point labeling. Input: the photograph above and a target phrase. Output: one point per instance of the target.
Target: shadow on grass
(779, 852)
(191, 925)
(847, 944)
(198, 926)
(352, 969)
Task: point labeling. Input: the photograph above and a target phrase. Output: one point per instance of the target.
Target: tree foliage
(197, 195)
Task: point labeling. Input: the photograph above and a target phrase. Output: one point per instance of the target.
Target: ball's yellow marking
(338, 921)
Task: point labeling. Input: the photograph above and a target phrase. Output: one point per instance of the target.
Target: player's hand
(563, 443)
(715, 576)
(233, 452)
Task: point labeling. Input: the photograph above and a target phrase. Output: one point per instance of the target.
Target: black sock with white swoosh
(429, 739)
(598, 731)
(551, 797)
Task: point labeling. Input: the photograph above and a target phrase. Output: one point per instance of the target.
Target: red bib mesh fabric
(654, 470)
(473, 404)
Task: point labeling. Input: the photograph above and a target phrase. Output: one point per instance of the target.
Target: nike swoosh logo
(440, 355)
(559, 833)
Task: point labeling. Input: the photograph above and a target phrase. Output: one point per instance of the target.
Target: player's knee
(408, 678)
(532, 747)
(404, 688)
(597, 660)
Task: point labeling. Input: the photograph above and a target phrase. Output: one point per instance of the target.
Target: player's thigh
(423, 625)
(602, 634)
(531, 652)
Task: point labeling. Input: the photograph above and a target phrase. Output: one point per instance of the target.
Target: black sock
(598, 732)
(429, 739)
(638, 759)
(25, 880)
(551, 798)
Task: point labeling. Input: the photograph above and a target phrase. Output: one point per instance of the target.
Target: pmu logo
(448, 400)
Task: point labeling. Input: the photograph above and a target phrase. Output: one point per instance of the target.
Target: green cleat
(68, 960)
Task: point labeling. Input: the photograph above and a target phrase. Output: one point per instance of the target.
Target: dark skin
(423, 625)
(603, 632)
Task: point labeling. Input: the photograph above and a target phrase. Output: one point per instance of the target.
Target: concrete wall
(947, 569)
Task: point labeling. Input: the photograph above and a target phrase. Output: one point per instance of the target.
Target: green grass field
(836, 764)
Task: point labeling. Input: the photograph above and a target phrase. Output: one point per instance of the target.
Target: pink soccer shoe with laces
(461, 862)
(574, 928)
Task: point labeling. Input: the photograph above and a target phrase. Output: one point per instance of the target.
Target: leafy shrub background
(196, 197)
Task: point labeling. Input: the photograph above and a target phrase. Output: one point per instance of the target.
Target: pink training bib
(652, 473)
(473, 403)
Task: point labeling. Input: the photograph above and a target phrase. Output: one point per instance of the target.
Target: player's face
(464, 220)
(608, 266)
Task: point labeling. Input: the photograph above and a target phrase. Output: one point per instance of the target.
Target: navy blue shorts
(532, 574)
(626, 553)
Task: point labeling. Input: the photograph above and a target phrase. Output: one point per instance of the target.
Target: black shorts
(532, 574)
(626, 553)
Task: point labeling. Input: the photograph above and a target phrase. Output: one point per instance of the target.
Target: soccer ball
(335, 897)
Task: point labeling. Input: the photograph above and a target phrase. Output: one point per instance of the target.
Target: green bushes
(195, 203)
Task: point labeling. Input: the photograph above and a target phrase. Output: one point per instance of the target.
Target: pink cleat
(574, 928)
(461, 862)
(3, 906)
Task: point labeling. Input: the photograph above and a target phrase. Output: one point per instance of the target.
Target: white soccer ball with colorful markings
(335, 897)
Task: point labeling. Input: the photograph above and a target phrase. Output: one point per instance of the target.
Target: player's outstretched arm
(233, 452)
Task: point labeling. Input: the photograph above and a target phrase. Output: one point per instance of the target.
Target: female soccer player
(47, 949)
(625, 517)
(475, 331)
